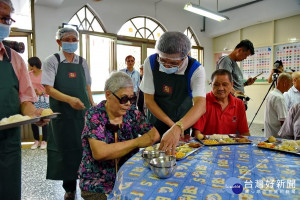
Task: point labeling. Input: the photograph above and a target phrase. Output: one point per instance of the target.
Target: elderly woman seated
(111, 136)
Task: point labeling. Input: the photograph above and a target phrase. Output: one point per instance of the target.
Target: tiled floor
(34, 183)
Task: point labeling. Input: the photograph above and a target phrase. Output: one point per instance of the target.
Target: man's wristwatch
(179, 123)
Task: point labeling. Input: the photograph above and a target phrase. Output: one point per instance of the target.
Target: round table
(215, 172)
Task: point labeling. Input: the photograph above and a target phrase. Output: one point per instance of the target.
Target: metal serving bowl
(148, 155)
(163, 167)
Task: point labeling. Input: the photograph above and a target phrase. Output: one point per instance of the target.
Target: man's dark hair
(246, 45)
(221, 72)
(279, 63)
(35, 61)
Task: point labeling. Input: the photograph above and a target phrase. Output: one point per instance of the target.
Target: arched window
(190, 34)
(197, 50)
(142, 27)
(140, 33)
(100, 60)
(86, 20)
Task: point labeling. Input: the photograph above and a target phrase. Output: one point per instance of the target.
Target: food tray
(190, 152)
(54, 115)
(12, 125)
(231, 136)
(279, 150)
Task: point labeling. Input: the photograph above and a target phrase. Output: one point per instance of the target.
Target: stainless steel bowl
(164, 161)
(148, 155)
(163, 167)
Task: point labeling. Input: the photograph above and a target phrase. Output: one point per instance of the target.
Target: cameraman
(277, 69)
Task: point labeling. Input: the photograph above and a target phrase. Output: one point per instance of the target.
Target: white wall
(270, 33)
(113, 14)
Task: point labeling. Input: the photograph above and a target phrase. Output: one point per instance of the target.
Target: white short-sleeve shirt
(50, 66)
(275, 112)
(197, 79)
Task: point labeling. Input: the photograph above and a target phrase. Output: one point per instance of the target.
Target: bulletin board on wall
(260, 62)
(289, 54)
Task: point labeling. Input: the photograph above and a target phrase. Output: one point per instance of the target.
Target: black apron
(10, 139)
(64, 140)
(171, 95)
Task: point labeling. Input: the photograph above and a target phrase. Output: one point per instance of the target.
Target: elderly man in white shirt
(276, 111)
(292, 96)
(291, 126)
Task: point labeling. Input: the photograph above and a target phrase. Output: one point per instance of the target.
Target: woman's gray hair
(117, 80)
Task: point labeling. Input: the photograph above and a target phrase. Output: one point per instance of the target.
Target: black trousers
(36, 135)
(69, 185)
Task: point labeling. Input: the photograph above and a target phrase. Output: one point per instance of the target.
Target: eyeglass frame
(171, 65)
(132, 100)
(7, 20)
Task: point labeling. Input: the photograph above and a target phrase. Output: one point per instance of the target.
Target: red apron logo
(72, 75)
(167, 89)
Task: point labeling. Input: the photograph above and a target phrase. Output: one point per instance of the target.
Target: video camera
(277, 64)
(243, 98)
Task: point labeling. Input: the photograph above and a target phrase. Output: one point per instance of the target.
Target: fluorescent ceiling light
(204, 12)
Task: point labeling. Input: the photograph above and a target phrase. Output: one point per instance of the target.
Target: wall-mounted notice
(289, 54)
(260, 62)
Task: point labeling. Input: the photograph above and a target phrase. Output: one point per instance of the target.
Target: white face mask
(170, 70)
(4, 31)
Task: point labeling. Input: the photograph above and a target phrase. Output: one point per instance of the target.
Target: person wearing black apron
(174, 88)
(70, 95)
(16, 97)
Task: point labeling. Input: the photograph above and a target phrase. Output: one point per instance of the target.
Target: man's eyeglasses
(169, 62)
(125, 99)
(7, 20)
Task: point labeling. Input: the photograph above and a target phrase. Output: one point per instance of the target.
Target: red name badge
(167, 89)
(72, 75)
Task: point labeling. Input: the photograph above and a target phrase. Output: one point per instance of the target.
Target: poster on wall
(289, 54)
(260, 62)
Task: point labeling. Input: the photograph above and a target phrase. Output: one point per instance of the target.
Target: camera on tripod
(243, 98)
(277, 66)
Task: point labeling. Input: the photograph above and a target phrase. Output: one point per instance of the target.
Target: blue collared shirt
(135, 76)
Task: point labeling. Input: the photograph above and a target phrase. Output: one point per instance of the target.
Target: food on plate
(267, 145)
(150, 148)
(227, 140)
(242, 140)
(272, 139)
(286, 148)
(218, 136)
(14, 119)
(200, 136)
(294, 143)
(46, 112)
(179, 155)
(194, 145)
(210, 142)
(184, 148)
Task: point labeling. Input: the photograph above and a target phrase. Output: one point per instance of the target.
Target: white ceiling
(259, 12)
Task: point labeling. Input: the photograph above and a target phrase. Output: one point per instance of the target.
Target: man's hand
(76, 103)
(170, 140)
(250, 81)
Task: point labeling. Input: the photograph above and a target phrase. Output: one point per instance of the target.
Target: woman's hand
(148, 139)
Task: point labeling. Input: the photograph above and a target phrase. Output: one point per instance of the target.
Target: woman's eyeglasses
(125, 99)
